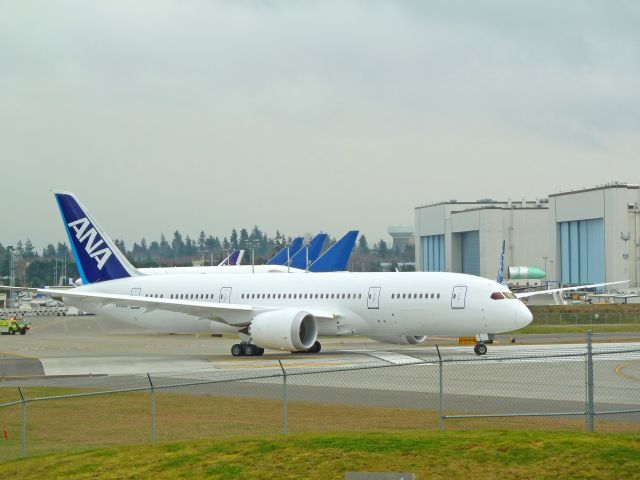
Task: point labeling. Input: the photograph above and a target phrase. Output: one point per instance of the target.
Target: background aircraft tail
(97, 257)
(234, 258)
(282, 256)
(314, 248)
(501, 264)
(336, 258)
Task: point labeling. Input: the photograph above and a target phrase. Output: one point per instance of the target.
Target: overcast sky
(302, 116)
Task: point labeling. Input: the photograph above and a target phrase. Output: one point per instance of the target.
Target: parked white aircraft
(283, 312)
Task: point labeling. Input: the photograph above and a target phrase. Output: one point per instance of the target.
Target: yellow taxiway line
(619, 368)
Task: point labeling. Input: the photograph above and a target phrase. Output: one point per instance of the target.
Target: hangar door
(582, 251)
(470, 252)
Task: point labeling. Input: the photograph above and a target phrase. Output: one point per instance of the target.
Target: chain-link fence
(604, 318)
(588, 387)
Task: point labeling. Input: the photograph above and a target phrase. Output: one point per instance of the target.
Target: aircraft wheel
(237, 350)
(480, 349)
(250, 350)
(315, 348)
(259, 351)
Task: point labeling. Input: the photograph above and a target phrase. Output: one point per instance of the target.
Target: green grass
(613, 328)
(433, 455)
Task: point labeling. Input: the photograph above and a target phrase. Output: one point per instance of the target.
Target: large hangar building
(584, 236)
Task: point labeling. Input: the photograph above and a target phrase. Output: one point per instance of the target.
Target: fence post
(152, 410)
(24, 424)
(441, 389)
(284, 398)
(589, 410)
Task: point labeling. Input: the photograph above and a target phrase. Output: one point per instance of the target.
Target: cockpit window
(497, 296)
(509, 295)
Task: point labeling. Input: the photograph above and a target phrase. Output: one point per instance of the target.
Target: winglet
(97, 257)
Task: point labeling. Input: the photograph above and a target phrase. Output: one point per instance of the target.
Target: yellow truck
(11, 326)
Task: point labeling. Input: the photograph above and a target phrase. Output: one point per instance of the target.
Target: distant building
(466, 237)
(585, 236)
(402, 236)
(594, 234)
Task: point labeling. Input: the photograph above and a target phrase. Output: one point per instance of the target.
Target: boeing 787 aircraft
(283, 312)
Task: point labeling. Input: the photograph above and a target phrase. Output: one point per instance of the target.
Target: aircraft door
(458, 296)
(373, 299)
(225, 295)
(135, 292)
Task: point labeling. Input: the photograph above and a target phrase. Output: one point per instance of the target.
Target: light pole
(12, 277)
(625, 255)
(253, 244)
(545, 258)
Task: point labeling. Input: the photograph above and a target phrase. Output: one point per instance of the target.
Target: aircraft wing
(565, 289)
(236, 315)
(231, 314)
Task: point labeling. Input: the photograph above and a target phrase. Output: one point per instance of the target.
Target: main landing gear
(480, 349)
(246, 350)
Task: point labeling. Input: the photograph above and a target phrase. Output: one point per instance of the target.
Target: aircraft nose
(523, 316)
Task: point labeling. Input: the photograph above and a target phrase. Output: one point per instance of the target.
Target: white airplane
(283, 312)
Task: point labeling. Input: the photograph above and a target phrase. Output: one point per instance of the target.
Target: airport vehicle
(14, 325)
(283, 312)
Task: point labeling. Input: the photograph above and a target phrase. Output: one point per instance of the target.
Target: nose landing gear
(480, 349)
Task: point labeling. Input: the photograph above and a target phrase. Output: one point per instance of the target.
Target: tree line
(36, 268)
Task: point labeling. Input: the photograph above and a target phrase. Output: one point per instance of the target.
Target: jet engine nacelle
(401, 339)
(292, 330)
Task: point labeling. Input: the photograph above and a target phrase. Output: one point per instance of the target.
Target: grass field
(430, 455)
(595, 328)
(72, 424)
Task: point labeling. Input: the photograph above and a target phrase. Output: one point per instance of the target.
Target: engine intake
(292, 330)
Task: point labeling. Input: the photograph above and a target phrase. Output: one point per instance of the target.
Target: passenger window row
(282, 296)
(414, 295)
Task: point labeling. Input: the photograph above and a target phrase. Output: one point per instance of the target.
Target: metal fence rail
(583, 389)
(604, 318)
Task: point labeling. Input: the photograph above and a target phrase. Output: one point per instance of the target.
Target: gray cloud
(307, 115)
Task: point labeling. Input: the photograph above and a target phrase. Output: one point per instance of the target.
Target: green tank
(526, 273)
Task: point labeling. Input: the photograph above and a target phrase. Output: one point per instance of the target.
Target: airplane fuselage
(372, 304)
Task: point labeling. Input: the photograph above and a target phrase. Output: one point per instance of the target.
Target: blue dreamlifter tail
(97, 257)
(299, 260)
(336, 258)
(282, 256)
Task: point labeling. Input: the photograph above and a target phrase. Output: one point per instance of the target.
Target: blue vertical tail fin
(282, 256)
(501, 264)
(336, 258)
(299, 260)
(97, 257)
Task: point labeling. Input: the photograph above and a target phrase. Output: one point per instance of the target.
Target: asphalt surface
(94, 353)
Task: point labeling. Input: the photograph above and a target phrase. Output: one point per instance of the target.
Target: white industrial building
(576, 237)
(594, 234)
(467, 237)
